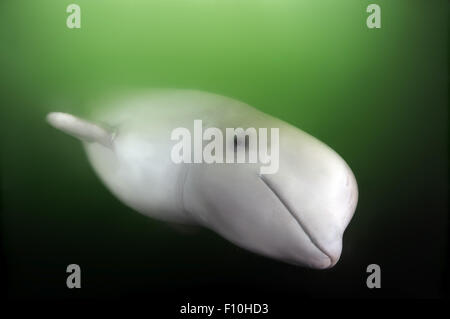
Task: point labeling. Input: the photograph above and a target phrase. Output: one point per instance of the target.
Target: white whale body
(297, 215)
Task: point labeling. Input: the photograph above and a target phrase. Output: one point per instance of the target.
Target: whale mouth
(314, 242)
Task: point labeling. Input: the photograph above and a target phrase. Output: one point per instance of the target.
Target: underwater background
(376, 96)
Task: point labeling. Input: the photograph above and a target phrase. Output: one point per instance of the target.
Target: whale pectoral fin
(81, 129)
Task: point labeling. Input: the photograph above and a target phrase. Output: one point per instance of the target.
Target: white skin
(297, 215)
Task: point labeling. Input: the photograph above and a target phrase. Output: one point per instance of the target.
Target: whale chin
(320, 259)
(332, 253)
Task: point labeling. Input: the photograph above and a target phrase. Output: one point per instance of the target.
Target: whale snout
(322, 208)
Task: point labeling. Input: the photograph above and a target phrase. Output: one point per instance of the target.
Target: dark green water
(378, 97)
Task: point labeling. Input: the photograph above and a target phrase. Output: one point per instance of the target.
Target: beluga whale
(297, 213)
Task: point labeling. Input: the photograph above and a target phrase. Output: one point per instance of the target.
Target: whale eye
(239, 141)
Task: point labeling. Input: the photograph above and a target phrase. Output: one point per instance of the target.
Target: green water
(378, 97)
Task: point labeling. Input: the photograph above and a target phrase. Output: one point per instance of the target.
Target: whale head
(297, 213)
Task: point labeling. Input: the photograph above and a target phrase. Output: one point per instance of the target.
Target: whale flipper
(81, 129)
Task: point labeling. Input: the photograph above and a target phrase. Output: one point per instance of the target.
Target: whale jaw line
(331, 252)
